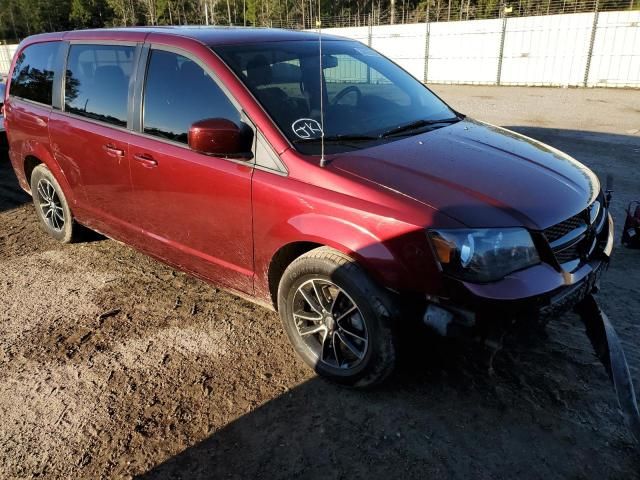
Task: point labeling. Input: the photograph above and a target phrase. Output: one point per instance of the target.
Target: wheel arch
(29, 165)
(314, 230)
(39, 155)
(281, 260)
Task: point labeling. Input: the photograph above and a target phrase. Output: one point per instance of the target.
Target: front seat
(259, 77)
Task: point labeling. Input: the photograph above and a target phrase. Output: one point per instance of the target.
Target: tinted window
(97, 82)
(361, 93)
(178, 93)
(33, 74)
(355, 79)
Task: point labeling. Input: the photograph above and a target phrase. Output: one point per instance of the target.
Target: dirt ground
(115, 366)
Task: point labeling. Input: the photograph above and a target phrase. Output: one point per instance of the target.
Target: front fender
(350, 238)
(384, 251)
(385, 233)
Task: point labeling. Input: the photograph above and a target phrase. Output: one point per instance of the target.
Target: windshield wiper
(415, 125)
(391, 132)
(337, 139)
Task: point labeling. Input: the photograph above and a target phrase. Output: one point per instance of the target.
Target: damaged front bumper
(539, 294)
(536, 294)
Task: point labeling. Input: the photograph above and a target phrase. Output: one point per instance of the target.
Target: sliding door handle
(145, 159)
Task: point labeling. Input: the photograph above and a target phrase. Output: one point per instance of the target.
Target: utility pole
(393, 12)
(427, 37)
(505, 11)
(592, 41)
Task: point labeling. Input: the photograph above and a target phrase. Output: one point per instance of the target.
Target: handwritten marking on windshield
(307, 128)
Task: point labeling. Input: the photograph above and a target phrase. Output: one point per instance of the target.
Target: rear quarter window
(33, 73)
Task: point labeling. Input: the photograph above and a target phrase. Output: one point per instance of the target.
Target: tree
(89, 13)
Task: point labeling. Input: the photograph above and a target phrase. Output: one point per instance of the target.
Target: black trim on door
(138, 91)
(57, 93)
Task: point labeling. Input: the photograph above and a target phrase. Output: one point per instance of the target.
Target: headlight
(484, 255)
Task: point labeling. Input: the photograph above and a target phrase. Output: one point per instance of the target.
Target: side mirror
(222, 138)
(2, 87)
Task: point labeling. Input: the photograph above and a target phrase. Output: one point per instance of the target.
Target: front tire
(337, 319)
(51, 205)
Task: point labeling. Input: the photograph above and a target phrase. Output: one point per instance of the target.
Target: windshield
(366, 98)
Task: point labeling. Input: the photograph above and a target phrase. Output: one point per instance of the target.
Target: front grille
(559, 230)
(568, 254)
(580, 245)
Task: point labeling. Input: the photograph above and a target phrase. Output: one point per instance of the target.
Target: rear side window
(178, 93)
(97, 82)
(33, 73)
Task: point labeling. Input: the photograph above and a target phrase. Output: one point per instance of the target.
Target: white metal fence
(6, 54)
(581, 49)
(577, 49)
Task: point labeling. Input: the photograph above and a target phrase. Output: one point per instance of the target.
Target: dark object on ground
(631, 230)
(4, 147)
(609, 351)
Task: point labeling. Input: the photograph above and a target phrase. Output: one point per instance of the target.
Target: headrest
(259, 71)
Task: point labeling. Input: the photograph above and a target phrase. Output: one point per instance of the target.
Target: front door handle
(146, 159)
(113, 151)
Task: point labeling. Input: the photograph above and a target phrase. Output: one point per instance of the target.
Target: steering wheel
(347, 91)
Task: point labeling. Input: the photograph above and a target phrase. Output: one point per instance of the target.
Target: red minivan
(317, 178)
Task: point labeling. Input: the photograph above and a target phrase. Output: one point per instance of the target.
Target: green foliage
(250, 13)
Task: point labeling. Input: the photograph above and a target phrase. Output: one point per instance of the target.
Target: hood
(479, 175)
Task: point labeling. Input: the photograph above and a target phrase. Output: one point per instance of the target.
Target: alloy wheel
(330, 323)
(50, 204)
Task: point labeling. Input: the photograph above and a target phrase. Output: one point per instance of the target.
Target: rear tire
(337, 319)
(51, 205)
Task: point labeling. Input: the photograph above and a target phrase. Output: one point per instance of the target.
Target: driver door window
(178, 93)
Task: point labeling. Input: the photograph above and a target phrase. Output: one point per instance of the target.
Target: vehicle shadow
(562, 135)
(11, 195)
(441, 416)
(604, 153)
(544, 408)
(607, 154)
